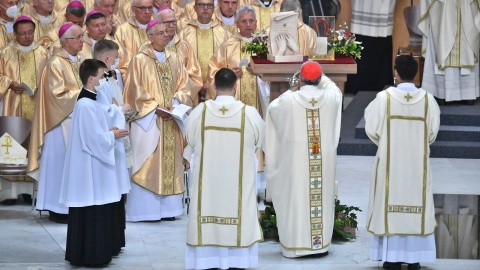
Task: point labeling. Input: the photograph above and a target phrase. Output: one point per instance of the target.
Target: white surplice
(301, 183)
(413, 118)
(89, 177)
(221, 238)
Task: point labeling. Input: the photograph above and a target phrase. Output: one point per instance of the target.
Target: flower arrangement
(258, 45)
(344, 42)
(345, 222)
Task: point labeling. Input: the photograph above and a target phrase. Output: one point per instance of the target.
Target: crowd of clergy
(98, 79)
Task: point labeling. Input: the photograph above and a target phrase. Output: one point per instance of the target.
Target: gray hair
(244, 10)
(66, 34)
(290, 5)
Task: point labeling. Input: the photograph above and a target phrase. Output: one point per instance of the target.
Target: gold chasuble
(21, 67)
(190, 61)
(306, 38)
(5, 37)
(204, 42)
(262, 13)
(158, 162)
(217, 14)
(42, 28)
(229, 55)
(131, 36)
(403, 125)
(224, 176)
(303, 130)
(57, 94)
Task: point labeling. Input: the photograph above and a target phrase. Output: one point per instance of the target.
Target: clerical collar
(407, 87)
(228, 20)
(74, 58)
(225, 99)
(245, 39)
(91, 91)
(25, 48)
(171, 42)
(45, 19)
(141, 26)
(204, 26)
(266, 3)
(8, 25)
(160, 56)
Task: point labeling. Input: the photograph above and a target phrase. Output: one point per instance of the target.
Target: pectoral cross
(223, 110)
(8, 143)
(408, 97)
(313, 102)
(164, 77)
(316, 212)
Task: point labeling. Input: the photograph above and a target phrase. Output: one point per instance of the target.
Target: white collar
(90, 91)
(407, 87)
(45, 19)
(228, 20)
(141, 26)
(263, 5)
(160, 56)
(204, 26)
(74, 58)
(225, 99)
(25, 49)
(247, 39)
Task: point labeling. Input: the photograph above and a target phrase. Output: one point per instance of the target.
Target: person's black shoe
(9, 201)
(168, 219)
(392, 266)
(468, 102)
(413, 266)
(58, 218)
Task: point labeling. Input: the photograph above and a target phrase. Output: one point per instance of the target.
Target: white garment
(50, 173)
(451, 85)
(301, 183)
(372, 18)
(89, 176)
(201, 256)
(407, 249)
(143, 204)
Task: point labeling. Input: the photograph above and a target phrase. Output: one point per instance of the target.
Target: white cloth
(89, 176)
(407, 249)
(372, 18)
(300, 183)
(50, 173)
(143, 204)
(222, 255)
(450, 85)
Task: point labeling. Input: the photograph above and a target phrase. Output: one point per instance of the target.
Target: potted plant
(345, 223)
(269, 223)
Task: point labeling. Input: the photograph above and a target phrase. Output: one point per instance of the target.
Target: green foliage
(269, 220)
(344, 42)
(258, 45)
(345, 217)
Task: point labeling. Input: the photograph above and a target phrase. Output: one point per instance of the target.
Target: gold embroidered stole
(142, 35)
(265, 16)
(44, 28)
(231, 28)
(8, 37)
(315, 171)
(454, 57)
(172, 48)
(164, 73)
(205, 41)
(75, 69)
(248, 84)
(229, 221)
(28, 75)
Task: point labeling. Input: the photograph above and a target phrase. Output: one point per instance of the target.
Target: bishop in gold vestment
(57, 95)
(44, 23)
(263, 11)
(225, 14)
(131, 33)
(21, 61)
(156, 78)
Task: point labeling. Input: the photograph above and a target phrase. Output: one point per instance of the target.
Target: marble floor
(30, 241)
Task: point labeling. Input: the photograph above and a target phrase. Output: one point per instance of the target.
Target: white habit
(224, 135)
(403, 122)
(301, 183)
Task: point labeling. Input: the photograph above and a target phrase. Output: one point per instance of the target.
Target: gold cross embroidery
(8, 143)
(408, 97)
(223, 110)
(313, 102)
